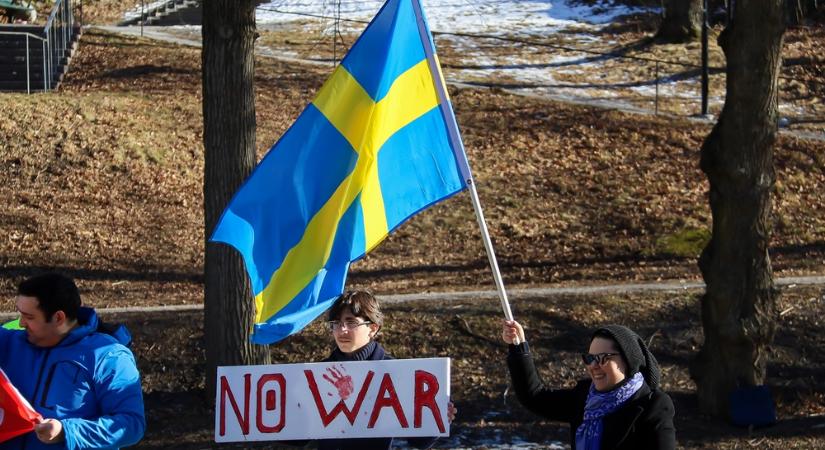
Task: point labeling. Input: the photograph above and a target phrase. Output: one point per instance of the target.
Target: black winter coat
(645, 421)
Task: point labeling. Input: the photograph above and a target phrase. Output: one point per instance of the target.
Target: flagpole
(491, 254)
(460, 156)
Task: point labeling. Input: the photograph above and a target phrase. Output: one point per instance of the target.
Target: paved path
(160, 34)
(659, 286)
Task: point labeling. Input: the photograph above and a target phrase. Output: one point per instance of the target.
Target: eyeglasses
(337, 325)
(600, 358)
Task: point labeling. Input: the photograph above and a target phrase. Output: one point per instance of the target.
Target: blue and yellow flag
(370, 151)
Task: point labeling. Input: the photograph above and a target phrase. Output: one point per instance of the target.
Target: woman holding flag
(619, 407)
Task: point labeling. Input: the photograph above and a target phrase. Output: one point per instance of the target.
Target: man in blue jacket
(84, 383)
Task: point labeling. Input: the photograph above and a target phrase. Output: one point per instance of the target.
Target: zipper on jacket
(46, 386)
(40, 375)
(37, 386)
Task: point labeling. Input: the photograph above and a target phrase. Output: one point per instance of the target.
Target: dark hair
(54, 292)
(360, 303)
(634, 351)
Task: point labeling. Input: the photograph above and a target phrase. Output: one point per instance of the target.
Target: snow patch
(489, 16)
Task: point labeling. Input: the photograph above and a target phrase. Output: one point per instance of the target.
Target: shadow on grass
(140, 273)
(146, 69)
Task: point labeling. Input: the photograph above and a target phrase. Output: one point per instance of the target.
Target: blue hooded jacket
(89, 381)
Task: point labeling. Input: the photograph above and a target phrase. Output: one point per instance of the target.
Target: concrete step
(21, 68)
(35, 77)
(33, 29)
(174, 12)
(33, 67)
(15, 41)
(13, 76)
(190, 15)
(20, 59)
(158, 15)
(13, 59)
(32, 52)
(20, 86)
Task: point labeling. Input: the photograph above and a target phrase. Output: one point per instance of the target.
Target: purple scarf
(599, 405)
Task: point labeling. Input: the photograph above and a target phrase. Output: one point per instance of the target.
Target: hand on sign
(451, 412)
(49, 431)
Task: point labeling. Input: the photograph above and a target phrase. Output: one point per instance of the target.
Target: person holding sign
(355, 320)
(84, 383)
(619, 407)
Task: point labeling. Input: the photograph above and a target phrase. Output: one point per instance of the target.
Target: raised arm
(554, 404)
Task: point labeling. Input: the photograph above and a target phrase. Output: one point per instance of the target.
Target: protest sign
(391, 398)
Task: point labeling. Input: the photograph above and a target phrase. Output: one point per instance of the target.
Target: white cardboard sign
(390, 398)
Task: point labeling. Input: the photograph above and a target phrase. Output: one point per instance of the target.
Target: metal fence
(56, 38)
(59, 34)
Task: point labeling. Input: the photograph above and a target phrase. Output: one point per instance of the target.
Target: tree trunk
(739, 306)
(682, 21)
(799, 10)
(229, 145)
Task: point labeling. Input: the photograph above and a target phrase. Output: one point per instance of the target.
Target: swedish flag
(370, 151)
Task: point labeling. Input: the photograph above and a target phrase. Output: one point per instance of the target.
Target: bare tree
(739, 315)
(799, 10)
(682, 21)
(229, 145)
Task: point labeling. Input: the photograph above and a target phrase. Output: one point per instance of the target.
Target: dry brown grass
(104, 181)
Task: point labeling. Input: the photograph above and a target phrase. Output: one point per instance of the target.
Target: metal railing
(57, 37)
(59, 32)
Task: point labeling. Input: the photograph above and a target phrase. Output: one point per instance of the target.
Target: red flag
(16, 414)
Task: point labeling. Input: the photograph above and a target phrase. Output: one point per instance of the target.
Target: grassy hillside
(104, 179)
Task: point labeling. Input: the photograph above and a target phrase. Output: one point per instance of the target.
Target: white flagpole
(460, 155)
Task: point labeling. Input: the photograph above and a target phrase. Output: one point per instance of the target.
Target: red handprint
(340, 380)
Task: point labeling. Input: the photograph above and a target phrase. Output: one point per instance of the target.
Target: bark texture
(229, 145)
(799, 10)
(682, 21)
(739, 314)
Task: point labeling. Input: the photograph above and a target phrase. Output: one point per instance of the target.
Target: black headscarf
(634, 351)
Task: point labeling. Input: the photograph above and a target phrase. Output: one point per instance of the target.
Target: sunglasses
(600, 358)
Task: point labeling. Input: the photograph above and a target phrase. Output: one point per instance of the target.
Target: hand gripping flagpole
(460, 155)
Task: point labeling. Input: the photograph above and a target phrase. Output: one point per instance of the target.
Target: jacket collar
(87, 322)
(370, 352)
